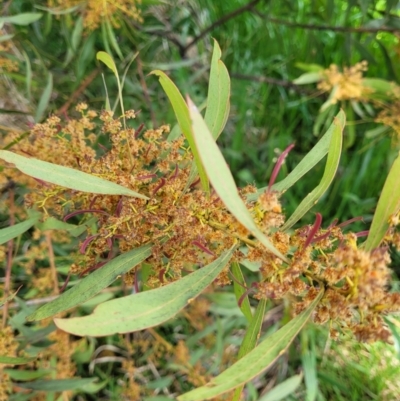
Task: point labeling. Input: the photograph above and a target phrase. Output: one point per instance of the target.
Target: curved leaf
(14, 231)
(250, 339)
(217, 110)
(146, 309)
(255, 362)
(66, 176)
(335, 149)
(92, 284)
(307, 163)
(183, 117)
(221, 178)
(388, 204)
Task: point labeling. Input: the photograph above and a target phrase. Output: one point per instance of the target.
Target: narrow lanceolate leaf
(183, 117)
(146, 309)
(255, 362)
(250, 339)
(283, 390)
(221, 178)
(14, 231)
(57, 385)
(21, 19)
(219, 89)
(315, 155)
(239, 288)
(388, 205)
(66, 176)
(92, 284)
(10, 360)
(332, 163)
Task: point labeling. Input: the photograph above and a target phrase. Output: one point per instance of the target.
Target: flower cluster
(346, 85)
(96, 11)
(189, 228)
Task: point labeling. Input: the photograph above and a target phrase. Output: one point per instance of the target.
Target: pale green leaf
(283, 390)
(24, 375)
(44, 99)
(10, 360)
(92, 284)
(182, 115)
(145, 309)
(17, 229)
(221, 178)
(53, 224)
(21, 19)
(308, 78)
(66, 176)
(332, 163)
(250, 339)
(255, 362)
(218, 106)
(57, 384)
(388, 205)
(315, 155)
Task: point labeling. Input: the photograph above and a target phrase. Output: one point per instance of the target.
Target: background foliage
(49, 65)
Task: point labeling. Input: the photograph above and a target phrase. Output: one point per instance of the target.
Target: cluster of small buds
(189, 228)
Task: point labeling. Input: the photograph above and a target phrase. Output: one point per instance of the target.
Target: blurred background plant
(48, 65)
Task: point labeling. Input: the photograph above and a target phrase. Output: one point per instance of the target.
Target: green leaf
(10, 360)
(44, 99)
(219, 87)
(57, 385)
(92, 284)
(332, 164)
(388, 205)
(381, 89)
(21, 19)
(66, 176)
(250, 339)
(307, 163)
(221, 178)
(145, 309)
(240, 290)
(109, 62)
(53, 224)
(255, 362)
(8, 233)
(182, 115)
(308, 78)
(25, 375)
(283, 390)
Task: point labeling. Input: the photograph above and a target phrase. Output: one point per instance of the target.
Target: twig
(10, 248)
(85, 83)
(325, 27)
(247, 7)
(52, 262)
(272, 81)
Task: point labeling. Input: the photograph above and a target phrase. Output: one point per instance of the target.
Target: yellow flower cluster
(346, 85)
(96, 11)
